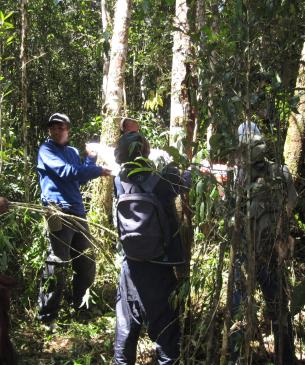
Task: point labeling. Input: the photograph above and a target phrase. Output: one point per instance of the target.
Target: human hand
(91, 151)
(106, 171)
(4, 205)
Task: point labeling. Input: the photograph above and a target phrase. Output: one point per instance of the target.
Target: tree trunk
(182, 125)
(24, 91)
(181, 115)
(118, 56)
(106, 58)
(250, 251)
(114, 97)
(294, 144)
(211, 89)
(1, 103)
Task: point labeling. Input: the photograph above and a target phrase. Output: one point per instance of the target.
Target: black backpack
(142, 223)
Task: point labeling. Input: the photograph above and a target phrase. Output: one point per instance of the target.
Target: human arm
(65, 164)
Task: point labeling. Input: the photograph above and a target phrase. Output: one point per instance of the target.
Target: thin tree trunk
(211, 337)
(250, 262)
(235, 246)
(212, 63)
(24, 91)
(1, 136)
(295, 139)
(1, 102)
(106, 56)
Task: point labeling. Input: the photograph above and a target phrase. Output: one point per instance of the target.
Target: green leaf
(278, 78)
(235, 98)
(134, 163)
(202, 211)
(140, 169)
(10, 39)
(200, 187)
(8, 15)
(173, 152)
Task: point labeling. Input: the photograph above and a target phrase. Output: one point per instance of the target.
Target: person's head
(59, 127)
(130, 146)
(258, 149)
(246, 131)
(4, 205)
(129, 125)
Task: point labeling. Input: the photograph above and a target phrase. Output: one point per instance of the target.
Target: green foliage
(154, 102)
(243, 66)
(154, 129)
(148, 67)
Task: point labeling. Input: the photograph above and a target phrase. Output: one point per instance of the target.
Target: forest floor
(82, 341)
(74, 341)
(86, 339)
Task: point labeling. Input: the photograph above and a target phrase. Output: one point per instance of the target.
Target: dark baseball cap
(58, 118)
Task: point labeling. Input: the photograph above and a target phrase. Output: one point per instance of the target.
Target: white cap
(244, 134)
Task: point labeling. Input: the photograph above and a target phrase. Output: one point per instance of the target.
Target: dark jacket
(61, 173)
(168, 187)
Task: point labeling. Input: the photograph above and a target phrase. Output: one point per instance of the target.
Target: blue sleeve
(67, 167)
(118, 188)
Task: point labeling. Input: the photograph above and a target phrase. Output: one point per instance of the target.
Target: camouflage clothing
(272, 198)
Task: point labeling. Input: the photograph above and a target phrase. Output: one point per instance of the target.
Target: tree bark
(106, 56)
(211, 89)
(24, 94)
(181, 126)
(114, 97)
(181, 114)
(119, 43)
(1, 103)
(295, 138)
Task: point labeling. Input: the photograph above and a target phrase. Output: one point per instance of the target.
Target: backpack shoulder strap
(126, 187)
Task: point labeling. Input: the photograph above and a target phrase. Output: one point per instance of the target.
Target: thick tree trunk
(295, 139)
(182, 124)
(181, 114)
(114, 96)
(24, 91)
(118, 56)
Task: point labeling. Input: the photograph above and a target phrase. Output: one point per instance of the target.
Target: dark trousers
(272, 282)
(144, 298)
(68, 245)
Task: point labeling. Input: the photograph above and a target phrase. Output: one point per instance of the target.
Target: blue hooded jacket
(61, 173)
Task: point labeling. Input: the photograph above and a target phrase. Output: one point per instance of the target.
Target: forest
(189, 72)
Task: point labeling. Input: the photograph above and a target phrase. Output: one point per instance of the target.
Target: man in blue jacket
(60, 175)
